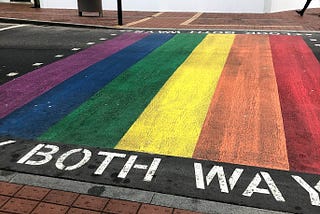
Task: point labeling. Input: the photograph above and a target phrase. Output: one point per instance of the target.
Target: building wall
(171, 5)
(283, 5)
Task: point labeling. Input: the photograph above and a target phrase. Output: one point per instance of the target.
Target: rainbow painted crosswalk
(242, 99)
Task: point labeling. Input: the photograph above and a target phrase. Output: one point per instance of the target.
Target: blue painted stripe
(36, 117)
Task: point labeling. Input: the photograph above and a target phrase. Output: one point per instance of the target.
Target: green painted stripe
(105, 118)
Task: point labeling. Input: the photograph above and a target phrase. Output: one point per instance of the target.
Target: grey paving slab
(128, 194)
(205, 206)
(6, 175)
(131, 194)
(53, 183)
(82, 187)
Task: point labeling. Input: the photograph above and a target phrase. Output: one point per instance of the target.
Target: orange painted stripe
(244, 122)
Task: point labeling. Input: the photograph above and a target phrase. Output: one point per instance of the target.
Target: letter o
(63, 157)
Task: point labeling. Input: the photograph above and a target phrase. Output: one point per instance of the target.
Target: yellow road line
(197, 15)
(172, 122)
(143, 20)
(157, 14)
(137, 22)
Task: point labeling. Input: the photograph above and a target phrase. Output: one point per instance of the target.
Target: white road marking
(253, 187)
(313, 194)
(12, 74)
(75, 49)
(219, 172)
(140, 166)
(86, 157)
(37, 64)
(12, 27)
(47, 156)
(125, 170)
(58, 56)
(107, 160)
(7, 142)
(152, 169)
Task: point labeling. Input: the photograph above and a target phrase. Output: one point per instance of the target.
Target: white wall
(60, 4)
(169, 5)
(283, 5)
(236, 6)
(195, 5)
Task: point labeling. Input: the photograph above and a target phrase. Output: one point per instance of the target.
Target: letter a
(253, 187)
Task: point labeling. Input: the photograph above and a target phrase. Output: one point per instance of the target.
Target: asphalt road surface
(24, 48)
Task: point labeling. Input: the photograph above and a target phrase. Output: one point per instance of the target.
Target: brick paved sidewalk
(288, 20)
(23, 199)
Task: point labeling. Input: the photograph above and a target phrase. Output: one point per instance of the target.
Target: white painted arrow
(7, 142)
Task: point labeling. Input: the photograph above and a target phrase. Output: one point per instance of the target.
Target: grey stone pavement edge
(129, 194)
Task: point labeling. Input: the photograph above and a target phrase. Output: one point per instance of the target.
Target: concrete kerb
(63, 24)
(129, 194)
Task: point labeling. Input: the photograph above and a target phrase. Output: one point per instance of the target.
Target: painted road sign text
(287, 191)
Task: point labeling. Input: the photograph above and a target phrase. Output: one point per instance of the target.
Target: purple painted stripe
(22, 90)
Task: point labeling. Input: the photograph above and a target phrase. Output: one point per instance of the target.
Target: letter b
(47, 156)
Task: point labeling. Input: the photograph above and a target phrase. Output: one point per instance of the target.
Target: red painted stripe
(298, 77)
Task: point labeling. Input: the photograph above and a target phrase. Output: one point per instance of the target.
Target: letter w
(216, 170)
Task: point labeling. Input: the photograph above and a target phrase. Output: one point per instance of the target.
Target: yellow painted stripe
(193, 18)
(172, 122)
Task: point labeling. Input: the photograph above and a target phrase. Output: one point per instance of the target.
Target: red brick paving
(81, 211)
(61, 197)
(17, 205)
(90, 202)
(25, 199)
(120, 206)
(32, 193)
(3, 200)
(146, 209)
(287, 20)
(177, 211)
(50, 209)
(9, 189)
